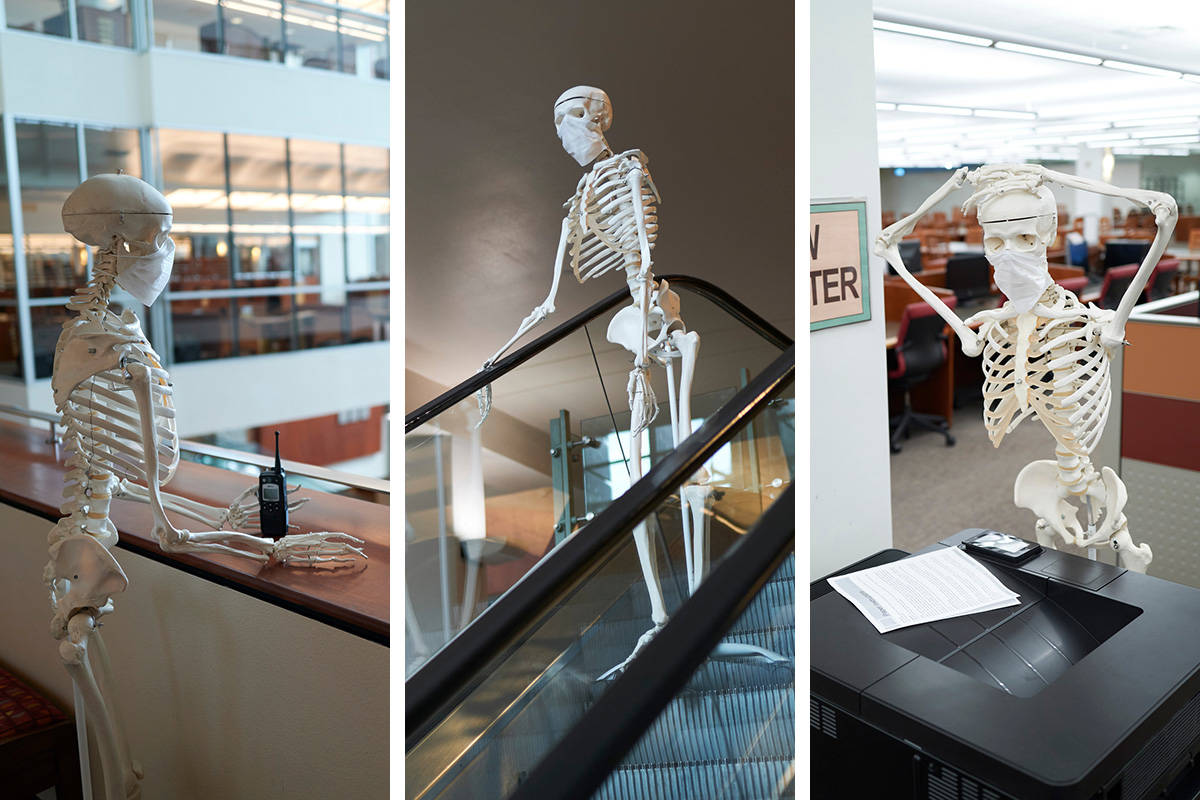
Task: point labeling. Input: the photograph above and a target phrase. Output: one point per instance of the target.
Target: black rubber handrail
(583, 759)
(730, 304)
(454, 670)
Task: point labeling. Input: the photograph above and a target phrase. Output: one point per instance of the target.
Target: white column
(1089, 205)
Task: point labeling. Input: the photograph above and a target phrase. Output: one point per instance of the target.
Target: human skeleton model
(611, 224)
(1045, 354)
(121, 442)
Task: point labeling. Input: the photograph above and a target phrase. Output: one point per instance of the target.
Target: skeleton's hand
(242, 513)
(310, 549)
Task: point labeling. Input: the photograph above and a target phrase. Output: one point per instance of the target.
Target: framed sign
(838, 279)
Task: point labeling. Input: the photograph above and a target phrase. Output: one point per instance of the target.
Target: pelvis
(625, 328)
(91, 573)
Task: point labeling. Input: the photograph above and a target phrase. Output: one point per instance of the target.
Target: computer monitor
(910, 253)
(968, 276)
(1119, 252)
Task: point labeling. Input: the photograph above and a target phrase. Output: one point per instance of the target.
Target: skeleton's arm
(304, 549)
(1166, 212)
(887, 244)
(546, 308)
(242, 513)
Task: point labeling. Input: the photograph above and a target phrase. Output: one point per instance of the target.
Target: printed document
(939, 585)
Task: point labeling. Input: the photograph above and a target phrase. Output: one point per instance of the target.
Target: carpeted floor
(938, 490)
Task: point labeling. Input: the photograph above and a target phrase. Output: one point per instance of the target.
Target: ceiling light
(953, 111)
(885, 106)
(1112, 137)
(1146, 123)
(1075, 127)
(1187, 131)
(1047, 53)
(984, 112)
(1188, 77)
(931, 33)
(1173, 140)
(1142, 69)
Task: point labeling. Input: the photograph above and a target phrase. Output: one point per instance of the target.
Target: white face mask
(581, 138)
(1023, 277)
(146, 276)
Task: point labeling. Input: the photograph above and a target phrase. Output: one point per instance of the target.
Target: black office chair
(919, 352)
(1162, 280)
(910, 253)
(968, 276)
(1124, 251)
(1116, 282)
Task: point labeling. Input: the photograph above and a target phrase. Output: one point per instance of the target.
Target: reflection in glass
(186, 25)
(10, 335)
(258, 197)
(202, 328)
(48, 161)
(367, 207)
(40, 16)
(317, 214)
(193, 168)
(253, 29)
(364, 45)
(104, 22)
(368, 316)
(265, 324)
(312, 38)
(112, 149)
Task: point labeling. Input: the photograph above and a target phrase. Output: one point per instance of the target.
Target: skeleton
(1046, 354)
(121, 442)
(612, 223)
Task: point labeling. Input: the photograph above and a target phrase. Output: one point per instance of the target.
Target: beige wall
(223, 695)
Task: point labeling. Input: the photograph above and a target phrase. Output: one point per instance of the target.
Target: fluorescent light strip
(1045, 52)
(885, 106)
(1194, 78)
(1194, 138)
(995, 114)
(1141, 69)
(931, 33)
(953, 111)
(1149, 123)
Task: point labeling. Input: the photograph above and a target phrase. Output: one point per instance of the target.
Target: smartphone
(1002, 547)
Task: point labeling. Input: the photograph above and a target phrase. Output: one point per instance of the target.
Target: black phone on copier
(1002, 547)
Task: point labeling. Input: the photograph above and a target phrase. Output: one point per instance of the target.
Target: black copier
(1088, 690)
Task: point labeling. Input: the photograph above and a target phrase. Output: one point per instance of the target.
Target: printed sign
(837, 273)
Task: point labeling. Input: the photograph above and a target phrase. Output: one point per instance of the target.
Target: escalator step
(720, 725)
(722, 780)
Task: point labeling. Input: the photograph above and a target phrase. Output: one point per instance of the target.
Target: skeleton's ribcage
(104, 430)
(603, 229)
(1064, 376)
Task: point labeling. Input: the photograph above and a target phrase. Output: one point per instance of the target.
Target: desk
(1189, 278)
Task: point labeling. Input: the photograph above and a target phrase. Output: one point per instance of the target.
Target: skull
(1019, 222)
(124, 214)
(581, 116)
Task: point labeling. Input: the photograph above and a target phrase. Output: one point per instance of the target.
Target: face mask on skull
(1016, 231)
(131, 219)
(581, 122)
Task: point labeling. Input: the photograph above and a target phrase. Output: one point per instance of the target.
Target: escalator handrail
(734, 307)
(449, 673)
(582, 760)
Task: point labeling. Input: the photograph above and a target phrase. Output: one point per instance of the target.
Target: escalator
(514, 702)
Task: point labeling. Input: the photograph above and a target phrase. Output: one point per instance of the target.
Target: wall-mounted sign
(837, 272)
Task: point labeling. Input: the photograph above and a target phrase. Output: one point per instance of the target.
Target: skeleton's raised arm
(1166, 213)
(546, 307)
(887, 245)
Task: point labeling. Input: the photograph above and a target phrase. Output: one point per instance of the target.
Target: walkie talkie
(272, 499)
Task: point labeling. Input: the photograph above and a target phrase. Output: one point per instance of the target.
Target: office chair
(919, 352)
(1118, 252)
(1162, 280)
(968, 276)
(910, 253)
(1116, 282)
(1077, 252)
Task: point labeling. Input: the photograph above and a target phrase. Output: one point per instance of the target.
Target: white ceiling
(1097, 101)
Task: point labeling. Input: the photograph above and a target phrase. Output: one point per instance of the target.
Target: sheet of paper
(939, 585)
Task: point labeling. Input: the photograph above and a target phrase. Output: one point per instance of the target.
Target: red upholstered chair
(1116, 282)
(1162, 280)
(920, 351)
(37, 744)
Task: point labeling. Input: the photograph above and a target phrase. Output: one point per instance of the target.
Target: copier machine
(1087, 690)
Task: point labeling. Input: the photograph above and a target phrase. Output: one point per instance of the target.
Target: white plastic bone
(1052, 360)
(120, 438)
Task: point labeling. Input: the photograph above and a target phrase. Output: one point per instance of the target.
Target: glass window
(193, 170)
(253, 29)
(369, 316)
(312, 36)
(364, 45)
(112, 149)
(186, 25)
(367, 207)
(104, 22)
(258, 197)
(41, 16)
(317, 209)
(48, 161)
(10, 337)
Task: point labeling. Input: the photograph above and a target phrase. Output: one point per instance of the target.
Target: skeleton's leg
(132, 770)
(695, 493)
(684, 517)
(74, 653)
